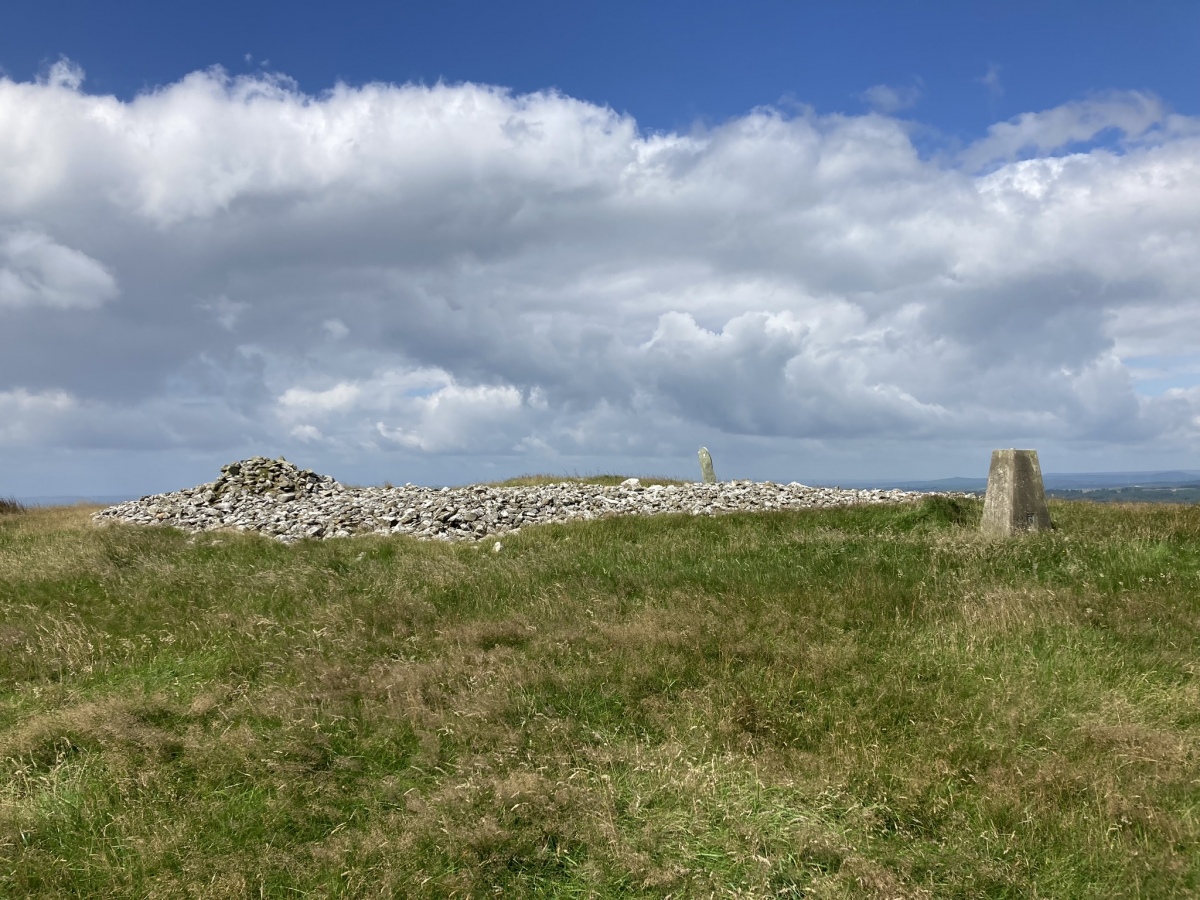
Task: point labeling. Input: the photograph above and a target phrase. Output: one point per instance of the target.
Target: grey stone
(1016, 499)
(322, 509)
(706, 466)
(265, 477)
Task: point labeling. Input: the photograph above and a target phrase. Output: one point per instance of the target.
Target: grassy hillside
(872, 702)
(1141, 494)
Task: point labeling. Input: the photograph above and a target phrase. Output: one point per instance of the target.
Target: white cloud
(1130, 112)
(991, 80)
(455, 270)
(37, 271)
(227, 312)
(65, 74)
(460, 419)
(27, 415)
(21, 402)
(299, 401)
(888, 99)
(56, 420)
(335, 328)
(306, 433)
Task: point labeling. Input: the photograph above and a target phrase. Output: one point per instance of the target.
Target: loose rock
(275, 498)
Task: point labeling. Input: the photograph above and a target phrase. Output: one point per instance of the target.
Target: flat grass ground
(871, 702)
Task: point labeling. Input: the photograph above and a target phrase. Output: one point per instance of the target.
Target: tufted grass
(866, 702)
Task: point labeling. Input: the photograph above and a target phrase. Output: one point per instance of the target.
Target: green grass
(864, 702)
(1145, 494)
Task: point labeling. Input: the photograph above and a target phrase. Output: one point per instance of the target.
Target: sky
(455, 242)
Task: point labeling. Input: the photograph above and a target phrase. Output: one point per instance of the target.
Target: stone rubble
(278, 499)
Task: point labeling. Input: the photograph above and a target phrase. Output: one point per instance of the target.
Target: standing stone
(1016, 500)
(706, 467)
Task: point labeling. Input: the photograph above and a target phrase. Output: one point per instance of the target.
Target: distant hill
(1095, 480)
(1186, 493)
(72, 499)
(1179, 486)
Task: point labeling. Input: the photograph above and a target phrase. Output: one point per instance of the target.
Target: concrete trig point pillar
(1016, 499)
(706, 467)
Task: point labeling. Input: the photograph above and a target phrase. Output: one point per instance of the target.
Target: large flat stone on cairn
(706, 466)
(1016, 499)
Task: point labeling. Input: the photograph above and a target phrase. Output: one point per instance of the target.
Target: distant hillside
(1095, 480)
(1186, 493)
(1161, 487)
(72, 499)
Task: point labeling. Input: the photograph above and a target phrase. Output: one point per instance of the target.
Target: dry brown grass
(10, 507)
(852, 703)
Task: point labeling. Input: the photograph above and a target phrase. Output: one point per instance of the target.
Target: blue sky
(665, 63)
(458, 241)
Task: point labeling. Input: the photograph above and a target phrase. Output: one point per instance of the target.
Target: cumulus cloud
(428, 272)
(298, 401)
(37, 271)
(65, 74)
(456, 418)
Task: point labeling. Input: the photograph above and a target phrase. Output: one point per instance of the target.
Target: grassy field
(871, 702)
(1177, 494)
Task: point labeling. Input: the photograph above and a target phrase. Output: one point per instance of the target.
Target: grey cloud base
(413, 274)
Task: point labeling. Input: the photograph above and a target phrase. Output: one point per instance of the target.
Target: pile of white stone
(276, 498)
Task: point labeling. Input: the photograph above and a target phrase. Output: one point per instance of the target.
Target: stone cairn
(277, 499)
(262, 477)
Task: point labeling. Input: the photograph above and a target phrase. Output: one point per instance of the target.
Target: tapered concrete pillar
(1016, 499)
(706, 467)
